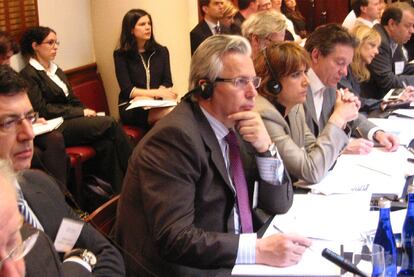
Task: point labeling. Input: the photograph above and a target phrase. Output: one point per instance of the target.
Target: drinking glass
(370, 260)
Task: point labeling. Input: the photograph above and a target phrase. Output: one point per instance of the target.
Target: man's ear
(315, 55)
(204, 9)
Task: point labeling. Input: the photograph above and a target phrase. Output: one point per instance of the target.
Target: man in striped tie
(41, 202)
(186, 207)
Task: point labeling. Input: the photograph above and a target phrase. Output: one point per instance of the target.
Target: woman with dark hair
(51, 95)
(284, 86)
(291, 11)
(49, 152)
(142, 69)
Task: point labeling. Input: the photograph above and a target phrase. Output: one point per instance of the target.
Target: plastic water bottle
(407, 236)
(385, 237)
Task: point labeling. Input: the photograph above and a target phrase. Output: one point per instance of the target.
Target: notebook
(50, 125)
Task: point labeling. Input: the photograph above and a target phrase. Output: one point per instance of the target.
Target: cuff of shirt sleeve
(246, 253)
(271, 169)
(372, 132)
(78, 260)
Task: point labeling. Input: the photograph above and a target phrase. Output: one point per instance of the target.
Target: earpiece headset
(273, 86)
(206, 89)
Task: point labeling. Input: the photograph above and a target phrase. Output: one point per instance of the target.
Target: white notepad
(50, 125)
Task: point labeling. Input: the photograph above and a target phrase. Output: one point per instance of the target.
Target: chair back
(103, 218)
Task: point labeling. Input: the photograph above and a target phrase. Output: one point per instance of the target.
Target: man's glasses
(52, 42)
(9, 123)
(241, 82)
(21, 250)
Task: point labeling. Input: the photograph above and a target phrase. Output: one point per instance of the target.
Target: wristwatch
(86, 256)
(270, 153)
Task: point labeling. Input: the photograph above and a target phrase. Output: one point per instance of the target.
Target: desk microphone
(342, 262)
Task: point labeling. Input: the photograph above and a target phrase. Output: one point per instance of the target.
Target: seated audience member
(263, 28)
(212, 11)
(291, 11)
(142, 69)
(50, 154)
(178, 213)
(227, 21)
(41, 203)
(51, 95)
(331, 49)
(369, 42)
(367, 12)
(283, 68)
(390, 69)
(246, 9)
(290, 34)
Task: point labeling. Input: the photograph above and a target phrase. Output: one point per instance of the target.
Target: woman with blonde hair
(369, 43)
(283, 67)
(227, 21)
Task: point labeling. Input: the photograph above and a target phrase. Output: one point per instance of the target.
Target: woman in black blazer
(142, 69)
(51, 95)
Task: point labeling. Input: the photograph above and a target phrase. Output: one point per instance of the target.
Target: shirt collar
(212, 25)
(367, 22)
(314, 81)
(38, 66)
(218, 128)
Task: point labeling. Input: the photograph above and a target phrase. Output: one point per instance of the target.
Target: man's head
(367, 9)
(331, 48)
(16, 118)
(223, 72)
(263, 28)
(398, 21)
(8, 48)
(248, 4)
(11, 265)
(264, 5)
(212, 10)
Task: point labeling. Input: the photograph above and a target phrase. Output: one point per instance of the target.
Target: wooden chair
(103, 218)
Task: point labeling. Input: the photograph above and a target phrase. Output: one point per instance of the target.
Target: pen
(280, 231)
(342, 262)
(404, 84)
(341, 90)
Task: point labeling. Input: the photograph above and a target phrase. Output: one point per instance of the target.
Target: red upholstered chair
(134, 133)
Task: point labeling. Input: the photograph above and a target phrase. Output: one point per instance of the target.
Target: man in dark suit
(43, 204)
(246, 9)
(212, 11)
(390, 69)
(178, 214)
(331, 49)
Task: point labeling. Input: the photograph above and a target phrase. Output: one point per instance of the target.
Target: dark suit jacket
(362, 123)
(48, 203)
(382, 68)
(130, 71)
(48, 98)
(175, 215)
(198, 34)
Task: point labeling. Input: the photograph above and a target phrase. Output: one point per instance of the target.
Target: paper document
(403, 128)
(378, 172)
(404, 112)
(50, 125)
(149, 103)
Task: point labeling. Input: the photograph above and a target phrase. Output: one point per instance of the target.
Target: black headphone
(273, 86)
(206, 89)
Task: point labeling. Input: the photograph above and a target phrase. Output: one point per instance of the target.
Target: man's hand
(358, 146)
(389, 141)
(252, 129)
(344, 110)
(349, 97)
(89, 112)
(408, 94)
(281, 249)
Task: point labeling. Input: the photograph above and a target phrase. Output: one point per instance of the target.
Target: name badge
(68, 234)
(399, 67)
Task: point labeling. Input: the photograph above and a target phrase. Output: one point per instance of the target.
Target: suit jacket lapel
(211, 143)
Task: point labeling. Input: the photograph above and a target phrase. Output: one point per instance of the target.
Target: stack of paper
(50, 125)
(149, 103)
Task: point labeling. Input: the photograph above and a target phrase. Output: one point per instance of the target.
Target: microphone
(342, 262)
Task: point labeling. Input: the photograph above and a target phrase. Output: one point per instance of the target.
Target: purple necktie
(239, 182)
